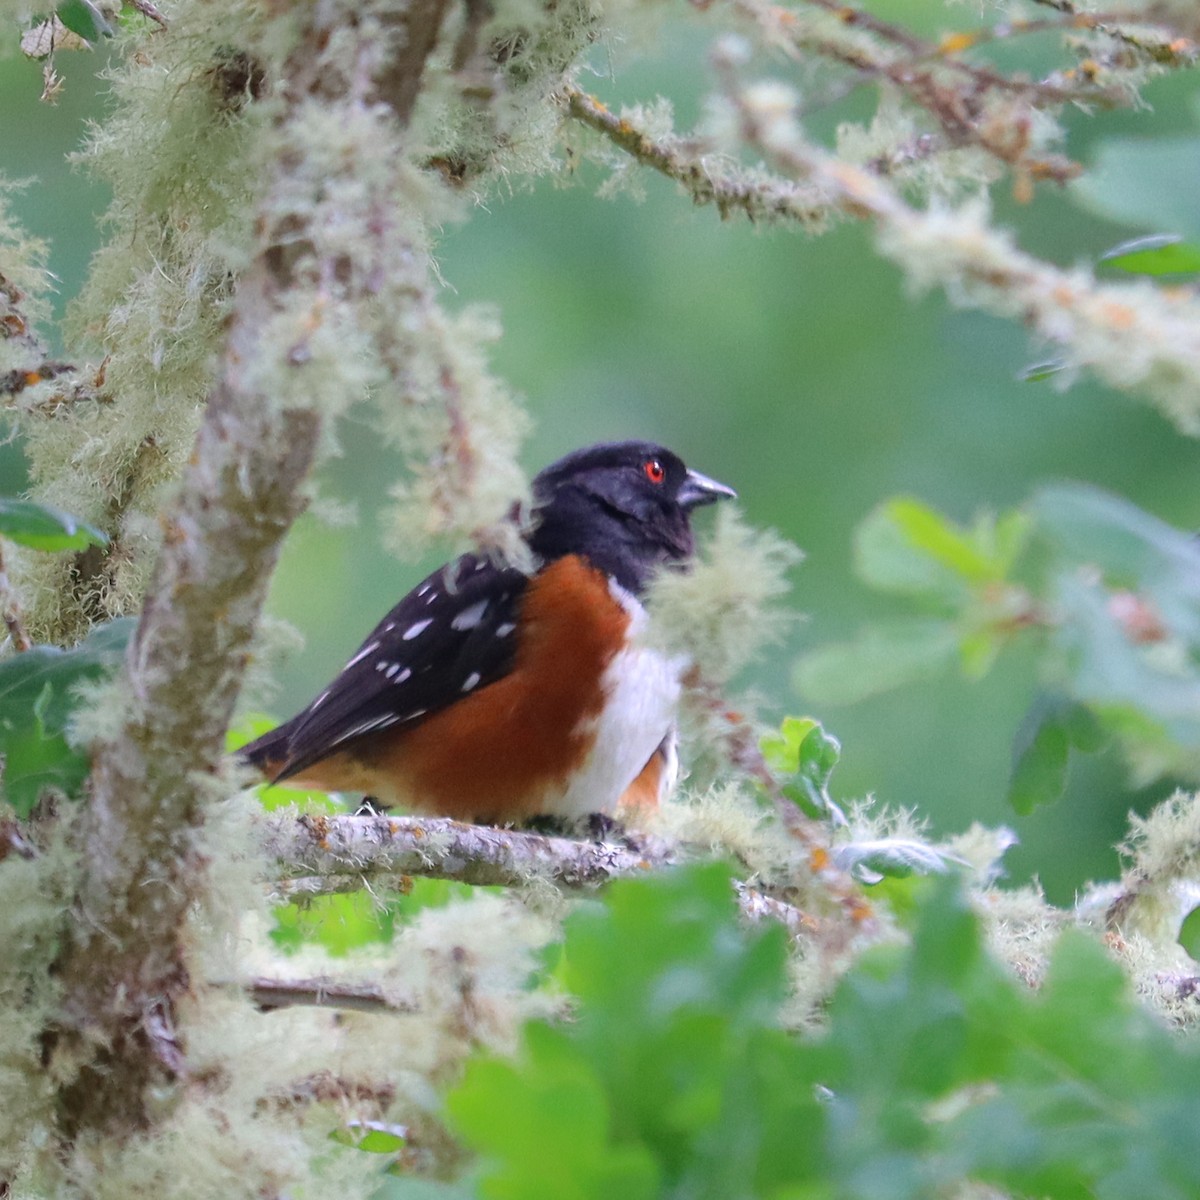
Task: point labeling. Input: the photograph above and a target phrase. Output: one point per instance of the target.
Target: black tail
(269, 753)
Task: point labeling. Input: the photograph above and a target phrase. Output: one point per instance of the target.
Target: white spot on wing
(366, 727)
(416, 629)
(366, 651)
(424, 588)
(470, 617)
(392, 669)
(405, 674)
(505, 629)
(471, 680)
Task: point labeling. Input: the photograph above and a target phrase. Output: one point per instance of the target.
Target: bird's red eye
(655, 472)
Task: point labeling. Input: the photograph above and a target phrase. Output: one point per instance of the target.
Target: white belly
(643, 689)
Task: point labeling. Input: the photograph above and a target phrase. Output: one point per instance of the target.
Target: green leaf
(85, 18)
(371, 1137)
(1041, 748)
(36, 703)
(1156, 254)
(937, 1072)
(1040, 756)
(929, 531)
(892, 552)
(1127, 589)
(43, 528)
(1037, 372)
(806, 754)
(1189, 933)
(40, 759)
(871, 860)
(1131, 546)
(978, 650)
(1146, 182)
(672, 1079)
(882, 657)
(1117, 677)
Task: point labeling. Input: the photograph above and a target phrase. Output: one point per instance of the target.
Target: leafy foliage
(936, 1069)
(1111, 594)
(36, 702)
(805, 755)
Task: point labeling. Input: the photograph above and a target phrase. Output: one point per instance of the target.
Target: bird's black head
(625, 506)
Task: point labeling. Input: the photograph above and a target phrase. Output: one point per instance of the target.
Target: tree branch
(123, 968)
(1133, 336)
(724, 188)
(272, 994)
(320, 855)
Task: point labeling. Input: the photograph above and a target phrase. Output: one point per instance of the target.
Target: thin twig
(958, 110)
(148, 10)
(725, 191)
(1170, 50)
(272, 994)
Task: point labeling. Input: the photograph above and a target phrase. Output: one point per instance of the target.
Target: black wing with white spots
(452, 634)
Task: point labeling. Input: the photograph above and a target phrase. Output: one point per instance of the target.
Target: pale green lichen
(725, 610)
(34, 902)
(25, 284)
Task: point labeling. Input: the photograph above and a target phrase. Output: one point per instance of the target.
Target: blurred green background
(800, 370)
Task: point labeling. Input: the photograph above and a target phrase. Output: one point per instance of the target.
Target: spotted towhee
(491, 694)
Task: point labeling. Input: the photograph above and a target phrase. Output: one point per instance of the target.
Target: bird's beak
(698, 489)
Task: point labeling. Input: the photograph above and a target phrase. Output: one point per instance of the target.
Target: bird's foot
(595, 827)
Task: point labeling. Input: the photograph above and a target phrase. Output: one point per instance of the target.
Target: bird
(502, 694)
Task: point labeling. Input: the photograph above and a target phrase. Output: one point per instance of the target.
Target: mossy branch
(318, 855)
(323, 855)
(123, 969)
(1134, 336)
(706, 182)
(321, 992)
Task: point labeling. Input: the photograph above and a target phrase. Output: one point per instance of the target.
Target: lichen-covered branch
(1170, 48)
(323, 855)
(320, 854)
(717, 182)
(271, 994)
(970, 105)
(1135, 336)
(1161, 882)
(124, 969)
